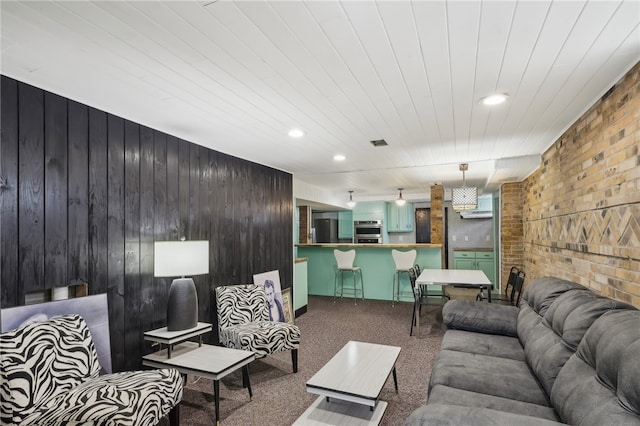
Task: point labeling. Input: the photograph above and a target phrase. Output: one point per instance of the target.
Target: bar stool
(345, 259)
(404, 261)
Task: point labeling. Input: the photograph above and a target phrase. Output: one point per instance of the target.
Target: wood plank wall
(84, 194)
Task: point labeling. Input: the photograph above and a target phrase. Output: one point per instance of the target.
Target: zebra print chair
(49, 375)
(243, 323)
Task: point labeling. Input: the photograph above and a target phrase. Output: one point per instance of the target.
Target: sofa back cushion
(599, 384)
(41, 361)
(241, 304)
(538, 296)
(553, 340)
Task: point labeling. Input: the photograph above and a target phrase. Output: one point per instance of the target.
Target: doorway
(423, 225)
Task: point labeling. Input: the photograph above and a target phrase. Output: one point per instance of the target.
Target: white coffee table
(349, 385)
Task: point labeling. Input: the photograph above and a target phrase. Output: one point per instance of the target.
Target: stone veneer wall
(511, 229)
(581, 208)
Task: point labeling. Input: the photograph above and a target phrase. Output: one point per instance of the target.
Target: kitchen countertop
(301, 259)
(385, 246)
(473, 249)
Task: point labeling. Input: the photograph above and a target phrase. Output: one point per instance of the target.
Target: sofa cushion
(552, 341)
(599, 383)
(274, 337)
(502, 377)
(448, 395)
(537, 297)
(483, 344)
(42, 361)
(480, 317)
(137, 398)
(455, 415)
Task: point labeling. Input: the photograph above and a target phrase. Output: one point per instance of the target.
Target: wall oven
(367, 232)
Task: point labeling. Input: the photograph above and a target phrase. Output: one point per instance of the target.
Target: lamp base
(182, 306)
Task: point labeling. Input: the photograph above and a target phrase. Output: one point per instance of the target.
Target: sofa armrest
(454, 415)
(480, 317)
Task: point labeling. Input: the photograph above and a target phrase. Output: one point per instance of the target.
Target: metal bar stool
(404, 261)
(345, 259)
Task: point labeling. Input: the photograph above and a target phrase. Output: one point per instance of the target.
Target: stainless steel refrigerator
(326, 230)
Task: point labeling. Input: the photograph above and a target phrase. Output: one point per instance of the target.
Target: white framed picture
(271, 282)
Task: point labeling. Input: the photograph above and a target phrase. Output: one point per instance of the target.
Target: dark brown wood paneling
(115, 226)
(204, 214)
(55, 189)
(31, 192)
(173, 231)
(183, 189)
(78, 202)
(115, 188)
(11, 286)
(193, 200)
(160, 221)
(98, 200)
(148, 299)
(132, 291)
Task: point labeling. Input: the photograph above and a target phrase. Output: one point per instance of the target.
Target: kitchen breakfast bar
(375, 261)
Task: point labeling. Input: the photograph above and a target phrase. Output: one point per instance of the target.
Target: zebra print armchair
(49, 375)
(243, 323)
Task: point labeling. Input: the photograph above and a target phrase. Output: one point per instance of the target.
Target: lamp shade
(464, 198)
(180, 258)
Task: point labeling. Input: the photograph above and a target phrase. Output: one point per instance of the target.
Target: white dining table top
(452, 276)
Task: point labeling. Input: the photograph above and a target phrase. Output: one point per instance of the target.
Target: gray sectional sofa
(565, 355)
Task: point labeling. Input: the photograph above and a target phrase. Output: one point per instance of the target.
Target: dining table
(467, 278)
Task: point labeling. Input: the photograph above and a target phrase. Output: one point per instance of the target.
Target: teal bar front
(375, 261)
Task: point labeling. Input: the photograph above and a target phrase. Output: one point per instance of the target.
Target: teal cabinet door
(464, 263)
(400, 218)
(486, 263)
(482, 260)
(369, 210)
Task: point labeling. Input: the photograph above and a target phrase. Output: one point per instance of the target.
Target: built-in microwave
(367, 231)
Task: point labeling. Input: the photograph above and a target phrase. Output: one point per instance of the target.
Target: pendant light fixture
(400, 201)
(465, 197)
(351, 204)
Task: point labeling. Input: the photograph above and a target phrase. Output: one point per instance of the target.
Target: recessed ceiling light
(339, 157)
(296, 133)
(496, 99)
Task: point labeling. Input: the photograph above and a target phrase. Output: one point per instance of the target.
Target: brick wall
(511, 229)
(581, 208)
(437, 216)
(304, 231)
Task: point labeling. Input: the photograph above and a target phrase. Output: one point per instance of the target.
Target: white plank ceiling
(237, 76)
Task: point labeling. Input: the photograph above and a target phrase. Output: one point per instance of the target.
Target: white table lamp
(181, 259)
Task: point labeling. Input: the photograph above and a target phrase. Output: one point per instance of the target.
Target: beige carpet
(279, 396)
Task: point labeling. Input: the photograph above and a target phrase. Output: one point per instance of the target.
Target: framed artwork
(287, 304)
(271, 282)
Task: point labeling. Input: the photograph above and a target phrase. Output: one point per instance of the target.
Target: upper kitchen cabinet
(370, 210)
(400, 218)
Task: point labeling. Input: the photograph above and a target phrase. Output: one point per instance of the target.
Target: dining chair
(404, 261)
(508, 292)
(344, 261)
(243, 323)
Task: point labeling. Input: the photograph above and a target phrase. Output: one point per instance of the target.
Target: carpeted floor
(279, 396)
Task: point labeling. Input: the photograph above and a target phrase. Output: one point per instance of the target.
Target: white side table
(212, 362)
(170, 338)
